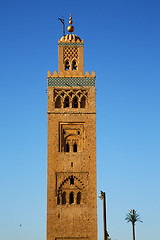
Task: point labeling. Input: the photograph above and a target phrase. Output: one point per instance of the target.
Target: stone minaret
(71, 175)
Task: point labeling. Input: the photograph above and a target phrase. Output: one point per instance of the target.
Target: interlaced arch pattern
(70, 98)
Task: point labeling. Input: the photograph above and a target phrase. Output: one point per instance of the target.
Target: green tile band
(70, 44)
(71, 81)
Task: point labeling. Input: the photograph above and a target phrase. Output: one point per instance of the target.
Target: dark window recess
(58, 200)
(67, 148)
(66, 102)
(74, 66)
(71, 164)
(64, 132)
(71, 198)
(67, 65)
(83, 102)
(75, 147)
(75, 102)
(78, 197)
(64, 198)
(72, 180)
(58, 102)
(78, 132)
(58, 215)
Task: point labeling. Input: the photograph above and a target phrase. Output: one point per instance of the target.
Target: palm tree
(133, 217)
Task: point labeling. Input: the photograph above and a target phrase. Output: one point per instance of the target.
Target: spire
(70, 28)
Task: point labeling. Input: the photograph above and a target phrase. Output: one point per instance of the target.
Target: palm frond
(132, 216)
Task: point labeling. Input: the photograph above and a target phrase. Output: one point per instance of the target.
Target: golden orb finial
(70, 28)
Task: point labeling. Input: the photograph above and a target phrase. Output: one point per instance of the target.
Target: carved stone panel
(71, 137)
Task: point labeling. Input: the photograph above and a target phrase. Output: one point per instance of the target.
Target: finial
(70, 28)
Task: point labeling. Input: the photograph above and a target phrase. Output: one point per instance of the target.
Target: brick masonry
(71, 167)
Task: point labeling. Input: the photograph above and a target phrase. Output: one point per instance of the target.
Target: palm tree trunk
(133, 231)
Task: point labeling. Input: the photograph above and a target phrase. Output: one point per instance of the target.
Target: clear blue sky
(122, 44)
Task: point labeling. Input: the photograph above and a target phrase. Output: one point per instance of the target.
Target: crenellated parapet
(56, 81)
(55, 74)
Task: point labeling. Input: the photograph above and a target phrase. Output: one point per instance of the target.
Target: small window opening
(75, 102)
(83, 102)
(64, 132)
(71, 164)
(71, 198)
(66, 102)
(58, 215)
(75, 147)
(58, 102)
(64, 198)
(72, 180)
(67, 65)
(78, 132)
(58, 200)
(67, 147)
(78, 197)
(74, 66)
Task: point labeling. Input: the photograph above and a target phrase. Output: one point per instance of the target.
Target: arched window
(74, 66)
(72, 180)
(58, 102)
(78, 197)
(83, 102)
(64, 198)
(66, 102)
(67, 65)
(75, 102)
(67, 147)
(58, 199)
(75, 147)
(71, 198)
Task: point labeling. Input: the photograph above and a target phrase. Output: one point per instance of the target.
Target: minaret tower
(71, 173)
